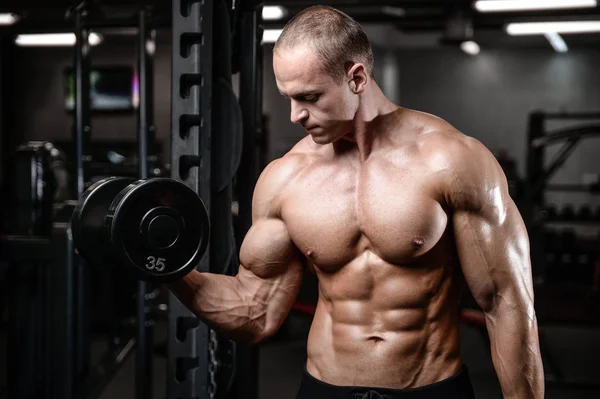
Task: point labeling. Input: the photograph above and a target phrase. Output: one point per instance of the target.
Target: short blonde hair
(336, 37)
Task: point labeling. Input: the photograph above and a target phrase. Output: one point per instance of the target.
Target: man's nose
(298, 112)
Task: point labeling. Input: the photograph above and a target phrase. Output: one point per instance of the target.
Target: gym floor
(576, 349)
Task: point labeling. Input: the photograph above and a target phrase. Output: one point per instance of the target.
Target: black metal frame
(537, 183)
(56, 328)
(66, 359)
(82, 134)
(56, 319)
(59, 365)
(250, 99)
(61, 378)
(538, 138)
(82, 130)
(49, 369)
(250, 103)
(191, 91)
(92, 383)
(145, 323)
(25, 293)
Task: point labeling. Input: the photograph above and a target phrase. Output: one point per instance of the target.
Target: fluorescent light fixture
(557, 42)
(541, 28)
(393, 11)
(470, 47)
(528, 5)
(8, 19)
(270, 13)
(271, 35)
(54, 39)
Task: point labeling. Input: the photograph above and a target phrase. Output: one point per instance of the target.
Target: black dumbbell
(155, 229)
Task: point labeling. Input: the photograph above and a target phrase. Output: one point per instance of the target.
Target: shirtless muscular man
(394, 210)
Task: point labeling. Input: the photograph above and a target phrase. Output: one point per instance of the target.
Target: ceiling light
(270, 13)
(54, 39)
(557, 42)
(271, 35)
(528, 5)
(8, 19)
(540, 28)
(393, 11)
(470, 47)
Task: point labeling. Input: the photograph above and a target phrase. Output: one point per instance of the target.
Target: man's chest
(334, 214)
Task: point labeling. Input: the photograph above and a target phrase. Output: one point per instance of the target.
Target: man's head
(322, 62)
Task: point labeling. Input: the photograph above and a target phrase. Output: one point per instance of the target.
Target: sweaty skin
(394, 218)
(378, 237)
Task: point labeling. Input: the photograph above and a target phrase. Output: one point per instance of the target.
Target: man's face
(324, 107)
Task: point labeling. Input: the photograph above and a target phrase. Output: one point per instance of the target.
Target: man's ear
(357, 77)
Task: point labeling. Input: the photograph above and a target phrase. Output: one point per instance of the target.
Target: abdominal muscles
(383, 325)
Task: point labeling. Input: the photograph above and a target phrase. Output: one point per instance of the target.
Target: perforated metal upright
(143, 357)
(82, 139)
(191, 82)
(247, 358)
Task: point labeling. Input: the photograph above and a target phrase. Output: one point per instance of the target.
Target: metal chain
(213, 364)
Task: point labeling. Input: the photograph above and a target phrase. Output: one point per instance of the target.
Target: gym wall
(488, 96)
(40, 107)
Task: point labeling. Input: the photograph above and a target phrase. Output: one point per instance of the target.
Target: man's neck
(374, 106)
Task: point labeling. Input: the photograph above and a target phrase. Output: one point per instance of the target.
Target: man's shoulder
(447, 147)
(465, 167)
(280, 173)
(450, 145)
(292, 162)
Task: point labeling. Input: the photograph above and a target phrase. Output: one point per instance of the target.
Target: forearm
(515, 350)
(221, 303)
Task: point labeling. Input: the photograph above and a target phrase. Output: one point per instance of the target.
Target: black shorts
(455, 387)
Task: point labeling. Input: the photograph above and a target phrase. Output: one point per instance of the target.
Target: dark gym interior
(186, 90)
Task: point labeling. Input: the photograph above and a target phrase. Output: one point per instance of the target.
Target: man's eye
(312, 99)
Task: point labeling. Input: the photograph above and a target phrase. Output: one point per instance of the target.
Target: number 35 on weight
(157, 264)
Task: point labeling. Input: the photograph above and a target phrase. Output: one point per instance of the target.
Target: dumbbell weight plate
(87, 222)
(159, 229)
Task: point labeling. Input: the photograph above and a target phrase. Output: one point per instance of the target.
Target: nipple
(309, 253)
(418, 242)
